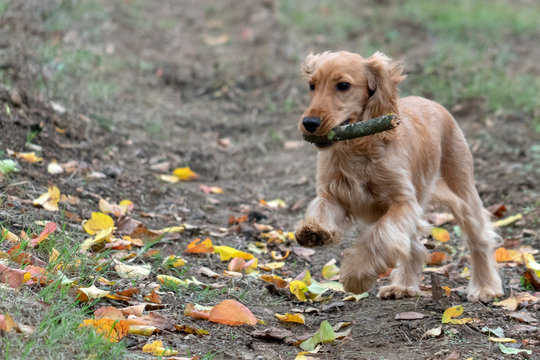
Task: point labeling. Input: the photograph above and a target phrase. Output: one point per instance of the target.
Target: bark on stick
(356, 130)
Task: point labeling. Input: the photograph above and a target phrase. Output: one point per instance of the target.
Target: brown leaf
(109, 312)
(523, 316)
(409, 315)
(273, 334)
(436, 258)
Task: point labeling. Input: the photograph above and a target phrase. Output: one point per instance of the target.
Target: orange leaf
(436, 258)
(6, 323)
(109, 312)
(231, 312)
(447, 290)
(204, 246)
(501, 255)
(276, 280)
(153, 297)
(50, 227)
(440, 234)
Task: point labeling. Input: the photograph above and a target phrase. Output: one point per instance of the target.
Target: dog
(386, 180)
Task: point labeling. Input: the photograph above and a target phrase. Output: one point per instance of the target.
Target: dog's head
(347, 88)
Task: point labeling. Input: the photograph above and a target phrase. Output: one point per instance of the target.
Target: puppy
(386, 180)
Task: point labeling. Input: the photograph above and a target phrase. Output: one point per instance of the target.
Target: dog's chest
(354, 185)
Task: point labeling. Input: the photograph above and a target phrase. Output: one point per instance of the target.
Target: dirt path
(215, 86)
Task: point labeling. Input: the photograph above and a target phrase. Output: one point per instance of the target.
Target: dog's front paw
(312, 235)
(397, 292)
(355, 276)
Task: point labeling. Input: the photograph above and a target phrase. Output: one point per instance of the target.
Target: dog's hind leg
(405, 278)
(456, 190)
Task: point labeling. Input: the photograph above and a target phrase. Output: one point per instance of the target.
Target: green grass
(51, 308)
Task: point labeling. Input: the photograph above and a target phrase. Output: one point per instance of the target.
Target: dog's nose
(311, 123)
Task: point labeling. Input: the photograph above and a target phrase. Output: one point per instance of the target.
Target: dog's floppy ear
(383, 75)
(312, 61)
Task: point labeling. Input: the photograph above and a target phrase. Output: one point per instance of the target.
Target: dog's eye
(343, 86)
(311, 86)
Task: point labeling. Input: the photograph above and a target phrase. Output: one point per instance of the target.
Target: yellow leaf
(452, 312)
(305, 277)
(8, 235)
(144, 330)
(298, 288)
(171, 229)
(164, 279)
(272, 265)
(356, 297)
(465, 273)
(197, 246)
(54, 168)
(185, 173)
(157, 349)
(297, 318)
(49, 200)
(227, 252)
(509, 304)
(501, 255)
(98, 222)
(330, 269)
(276, 280)
(173, 261)
(495, 339)
(508, 221)
(440, 234)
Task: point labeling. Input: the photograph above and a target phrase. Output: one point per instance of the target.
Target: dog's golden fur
(387, 179)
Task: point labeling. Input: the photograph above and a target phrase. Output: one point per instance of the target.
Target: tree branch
(356, 130)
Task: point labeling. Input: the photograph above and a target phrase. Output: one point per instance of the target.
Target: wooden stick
(356, 130)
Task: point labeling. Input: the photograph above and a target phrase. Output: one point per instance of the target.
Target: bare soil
(193, 93)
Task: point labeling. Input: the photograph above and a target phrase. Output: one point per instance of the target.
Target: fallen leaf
(436, 258)
(50, 227)
(54, 168)
(5, 234)
(523, 316)
(98, 222)
(356, 297)
(156, 348)
(211, 189)
(113, 330)
(330, 270)
(13, 277)
(227, 252)
(203, 270)
(508, 221)
(197, 313)
(185, 174)
(276, 280)
(49, 200)
(30, 157)
(143, 330)
(279, 257)
(298, 288)
(7, 166)
(133, 272)
(274, 204)
(135, 310)
(168, 280)
(435, 332)
(231, 312)
(120, 209)
(7, 323)
(297, 318)
(190, 330)
(173, 261)
(512, 351)
(109, 312)
(215, 40)
(324, 335)
(409, 315)
(509, 304)
(447, 290)
(501, 340)
(440, 234)
(169, 178)
(90, 293)
(452, 312)
(272, 265)
(273, 334)
(304, 276)
(303, 252)
(236, 264)
(204, 246)
(501, 255)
